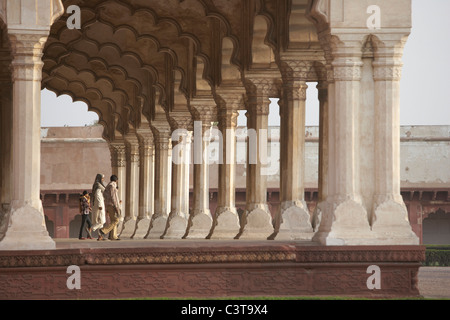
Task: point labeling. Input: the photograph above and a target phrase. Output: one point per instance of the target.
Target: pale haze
(425, 98)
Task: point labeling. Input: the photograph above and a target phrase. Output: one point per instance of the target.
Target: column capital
(180, 120)
(228, 118)
(205, 114)
(145, 136)
(297, 68)
(230, 97)
(295, 89)
(117, 150)
(27, 51)
(132, 147)
(388, 54)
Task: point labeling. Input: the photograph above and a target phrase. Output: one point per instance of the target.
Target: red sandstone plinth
(209, 269)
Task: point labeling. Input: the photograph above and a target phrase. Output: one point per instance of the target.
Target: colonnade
(358, 71)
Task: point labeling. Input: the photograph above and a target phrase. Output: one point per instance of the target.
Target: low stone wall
(212, 270)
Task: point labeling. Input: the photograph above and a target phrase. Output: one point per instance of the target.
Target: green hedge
(437, 255)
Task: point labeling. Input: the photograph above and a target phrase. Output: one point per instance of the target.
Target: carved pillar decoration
(294, 220)
(178, 218)
(256, 223)
(389, 218)
(26, 224)
(344, 220)
(226, 220)
(118, 168)
(200, 219)
(146, 182)
(161, 132)
(131, 186)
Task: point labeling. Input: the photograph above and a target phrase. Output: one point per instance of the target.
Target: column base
(225, 225)
(175, 227)
(142, 226)
(157, 227)
(317, 216)
(391, 226)
(128, 228)
(295, 222)
(257, 223)
(344, 224)
(26, 229)
(200, 224)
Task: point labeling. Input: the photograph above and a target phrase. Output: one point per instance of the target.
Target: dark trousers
(85, 219)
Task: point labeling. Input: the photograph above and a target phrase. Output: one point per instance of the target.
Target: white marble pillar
(161, 132)
(389, 218)
(178, 218)
(146, 182)
(256, 222)
(226, 224)
(26, 225)
(293, 220)
(344, 220)
(200, 219)
(132, 186)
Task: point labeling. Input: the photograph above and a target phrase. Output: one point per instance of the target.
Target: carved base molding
(211, 270)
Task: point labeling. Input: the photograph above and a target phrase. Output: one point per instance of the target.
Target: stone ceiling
(134, 59)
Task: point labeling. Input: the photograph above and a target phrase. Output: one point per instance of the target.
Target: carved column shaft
(162, 180)
(256, 223)
(26, 68)
(200, 219)
(387, 74)
(293, 219)
(226, 223)
(146, 175)
(347, 75)
(131, 186)
(146, 182)
(162, 173)
(227, 167)
(177, 221)
(258, 124)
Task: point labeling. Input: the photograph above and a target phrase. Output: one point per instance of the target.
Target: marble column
(200, 219)
(132, 185)
(161, 131)
(118, 168)
(26, 223)
(293, 220)
(178, 218)
(389, 218)
(344, 220)
(146, 182)
(226, 224)
(256, 223)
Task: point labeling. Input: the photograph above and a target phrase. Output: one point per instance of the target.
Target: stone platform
(208, 269)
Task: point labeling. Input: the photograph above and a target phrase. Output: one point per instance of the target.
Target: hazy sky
(425, 90)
